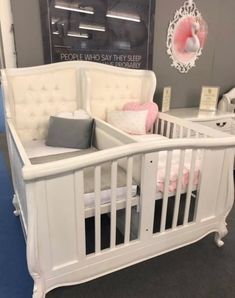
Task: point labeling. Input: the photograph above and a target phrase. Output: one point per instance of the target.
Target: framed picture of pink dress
(186, 37)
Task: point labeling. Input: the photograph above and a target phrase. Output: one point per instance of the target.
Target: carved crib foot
(221, 234)
(38, 291)
(15, 204)
(16, 212)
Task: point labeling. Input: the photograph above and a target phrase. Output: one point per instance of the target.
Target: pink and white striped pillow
(151, 107)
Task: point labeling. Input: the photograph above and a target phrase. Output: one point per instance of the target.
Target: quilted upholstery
(108, 91)
(39, 96)
(34, 94)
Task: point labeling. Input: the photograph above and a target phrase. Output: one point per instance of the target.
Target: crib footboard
(60, 230)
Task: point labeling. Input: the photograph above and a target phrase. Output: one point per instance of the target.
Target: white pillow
(81, 114)
(132, 122)
(68, 115)
(78, 114)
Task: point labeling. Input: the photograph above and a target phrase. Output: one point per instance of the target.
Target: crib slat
(188, 132)
(162, 126)
(149, 168)
(156, 126)
(190, 185)
(178, 188)
(181, 132)
(113, 203)
(168, 129)
(174, 131)
(80, 213)
(165, 191)
(128, 199)
(97, 208)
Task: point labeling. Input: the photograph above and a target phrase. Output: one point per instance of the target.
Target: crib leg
(38, 290)
(221, 234)
(15, 204)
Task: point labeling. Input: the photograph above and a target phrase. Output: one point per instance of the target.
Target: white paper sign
(209, 98)
(166, 99)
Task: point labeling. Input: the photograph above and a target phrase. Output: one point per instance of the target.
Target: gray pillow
(70, 133)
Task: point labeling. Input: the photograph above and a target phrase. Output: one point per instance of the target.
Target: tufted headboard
(108, 88)
(34, 94)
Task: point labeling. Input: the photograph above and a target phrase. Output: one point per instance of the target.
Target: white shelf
(194, 114)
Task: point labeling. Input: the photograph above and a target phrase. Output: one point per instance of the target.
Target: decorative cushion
(150, 106)
(70, 133)
(78, 114)
(133, 122)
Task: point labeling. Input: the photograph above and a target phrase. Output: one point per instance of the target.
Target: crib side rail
(173, 127)
(107, 136)
(31, 172)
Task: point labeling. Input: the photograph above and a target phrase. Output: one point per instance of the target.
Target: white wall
(7, 36)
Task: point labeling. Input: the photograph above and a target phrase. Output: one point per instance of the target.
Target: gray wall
(28, 36)
(215, 67)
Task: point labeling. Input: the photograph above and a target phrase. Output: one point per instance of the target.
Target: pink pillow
(150, 106)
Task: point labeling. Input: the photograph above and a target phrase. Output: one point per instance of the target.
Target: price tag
(209, 98)
(166, 99)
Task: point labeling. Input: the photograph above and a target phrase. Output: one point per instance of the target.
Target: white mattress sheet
(174, 170)
(174, 166)
(38, 148)
(89, 198)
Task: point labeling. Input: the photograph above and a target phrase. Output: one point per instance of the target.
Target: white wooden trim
(113, 204)
(128, 199)
(80, 213)
(80, 162)
(97, 209)
(166, 191)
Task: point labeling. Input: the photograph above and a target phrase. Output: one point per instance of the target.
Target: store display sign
(166, 99)
(209, 98)
(115, 32)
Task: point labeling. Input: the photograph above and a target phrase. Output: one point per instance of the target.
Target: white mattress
(160, 179)
(121, 193)
(38, 148)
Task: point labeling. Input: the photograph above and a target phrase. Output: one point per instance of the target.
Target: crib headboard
(34, 94)
(109, 88)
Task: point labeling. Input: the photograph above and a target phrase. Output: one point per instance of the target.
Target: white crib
(50, 196)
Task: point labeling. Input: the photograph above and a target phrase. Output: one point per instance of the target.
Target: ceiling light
(56, 32)
(92, 27)
(62, 46)
(88, 10)
(77, 34)
(54, 21)
(123, 16)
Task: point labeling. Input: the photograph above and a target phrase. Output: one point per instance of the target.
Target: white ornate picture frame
(186, 37)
